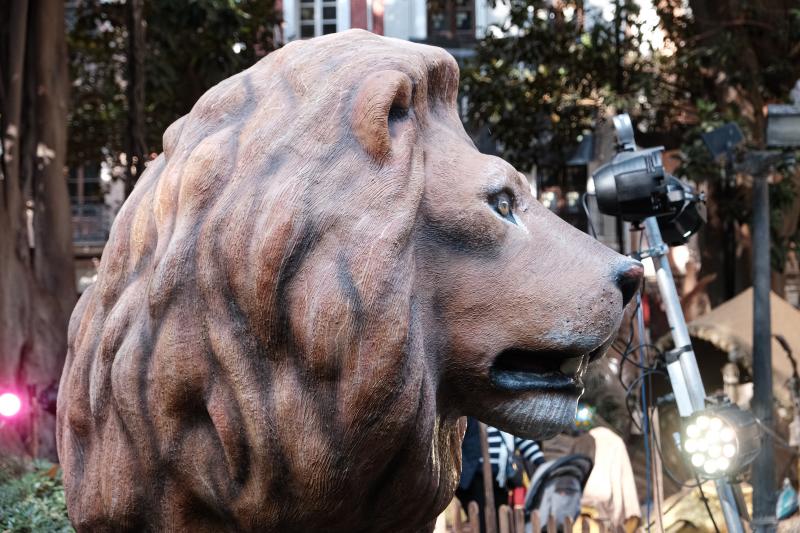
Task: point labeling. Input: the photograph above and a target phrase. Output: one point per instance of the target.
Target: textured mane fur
(253, 335)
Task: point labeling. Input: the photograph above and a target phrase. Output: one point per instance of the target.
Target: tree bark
(37, 280)
(136, 147)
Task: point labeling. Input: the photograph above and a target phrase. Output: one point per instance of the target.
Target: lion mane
(252, 355)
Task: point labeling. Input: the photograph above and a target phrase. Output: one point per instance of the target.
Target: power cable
(780, 441)
(645, 413)
(705, 501)
(659, 476)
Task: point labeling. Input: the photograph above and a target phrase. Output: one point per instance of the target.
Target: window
(451, 20)
(317, 17)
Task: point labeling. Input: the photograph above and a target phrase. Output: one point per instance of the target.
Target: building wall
(344, 14)
(402, 19)
(488, 15)
(289, 19)
(405, 19)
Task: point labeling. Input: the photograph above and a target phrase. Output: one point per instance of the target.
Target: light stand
(635, 187)
(681, 362)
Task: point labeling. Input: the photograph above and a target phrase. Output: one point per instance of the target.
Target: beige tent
(729, 327)
(684, 511)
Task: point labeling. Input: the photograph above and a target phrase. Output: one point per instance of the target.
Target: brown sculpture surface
(306, 291)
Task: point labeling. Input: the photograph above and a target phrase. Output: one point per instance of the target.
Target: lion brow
(443, 78)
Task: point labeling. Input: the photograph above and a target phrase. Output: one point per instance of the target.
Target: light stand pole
(759, 164)
(764, 465)
(690, 395)
(783, 133)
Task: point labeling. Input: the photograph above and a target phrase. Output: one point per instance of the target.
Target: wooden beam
(488, 482)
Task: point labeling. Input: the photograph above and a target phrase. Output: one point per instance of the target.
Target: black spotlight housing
(687, 213)
(634, 186)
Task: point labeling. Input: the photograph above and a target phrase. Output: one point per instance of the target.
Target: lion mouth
(517, 370)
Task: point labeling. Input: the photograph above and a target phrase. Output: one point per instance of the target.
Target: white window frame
(319, 22)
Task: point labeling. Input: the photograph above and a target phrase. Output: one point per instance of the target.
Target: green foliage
(699, 167)
(539, 80)
(32, 498)
(733, 202)
(189, 48)
(97, 40)
(730, 60)
(739, 54)
(544, 77)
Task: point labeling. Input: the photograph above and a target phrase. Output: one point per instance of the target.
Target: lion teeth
(584, 366)
(571, 366)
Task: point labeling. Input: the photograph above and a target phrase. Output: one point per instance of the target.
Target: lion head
(306, 291)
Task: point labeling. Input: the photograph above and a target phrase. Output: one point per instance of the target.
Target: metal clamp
(654, 251)
(673, 355)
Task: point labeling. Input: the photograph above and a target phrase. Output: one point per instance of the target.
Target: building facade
(452, 24)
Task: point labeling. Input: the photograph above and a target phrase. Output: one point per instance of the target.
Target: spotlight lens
(725, 442)
(10, 404)
(727, 434)
(729, 450)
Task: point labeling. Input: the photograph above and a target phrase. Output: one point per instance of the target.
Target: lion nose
(628, 279)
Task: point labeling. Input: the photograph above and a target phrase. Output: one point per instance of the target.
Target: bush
(32, 498)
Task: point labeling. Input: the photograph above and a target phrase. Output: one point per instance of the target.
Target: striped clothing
(528, 449)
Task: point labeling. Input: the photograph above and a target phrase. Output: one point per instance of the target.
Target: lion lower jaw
(534, 415)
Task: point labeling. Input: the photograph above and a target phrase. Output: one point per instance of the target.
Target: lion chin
(304, 295)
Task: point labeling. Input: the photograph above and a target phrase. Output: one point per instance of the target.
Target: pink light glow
(10, 404)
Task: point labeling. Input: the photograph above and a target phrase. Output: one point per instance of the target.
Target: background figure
(556, 489)
(502, 446)
(611, 489)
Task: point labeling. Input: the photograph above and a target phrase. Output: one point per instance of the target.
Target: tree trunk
(37, 280)
(136, 147)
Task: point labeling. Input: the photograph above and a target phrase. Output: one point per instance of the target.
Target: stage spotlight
(634, 186)
(721, 441)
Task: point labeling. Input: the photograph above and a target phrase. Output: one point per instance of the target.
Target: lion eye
(502, 204)
(504, 207)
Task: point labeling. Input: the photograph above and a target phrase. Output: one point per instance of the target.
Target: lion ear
(381, 108)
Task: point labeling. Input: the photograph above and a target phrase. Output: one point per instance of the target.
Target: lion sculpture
(305, 294)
